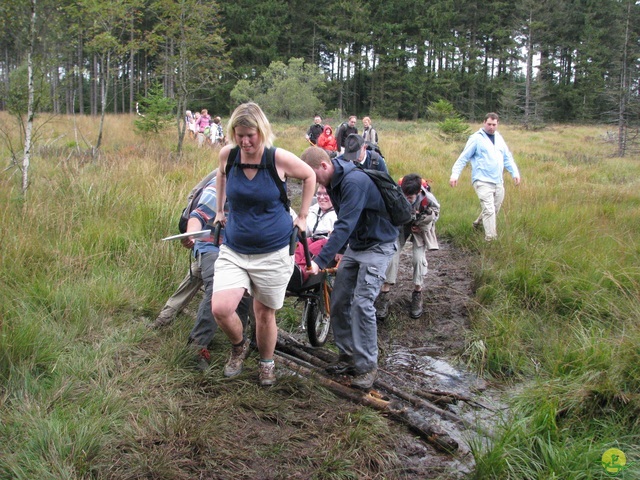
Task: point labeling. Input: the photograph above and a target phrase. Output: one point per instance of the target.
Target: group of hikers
(201, 127)
(322, 135)
(349, 224)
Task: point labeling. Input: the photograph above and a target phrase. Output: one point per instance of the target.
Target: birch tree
(30, 101)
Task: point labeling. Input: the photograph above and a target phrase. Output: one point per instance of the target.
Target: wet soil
(425, 356)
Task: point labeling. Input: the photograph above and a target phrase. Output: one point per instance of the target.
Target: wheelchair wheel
(317, 322)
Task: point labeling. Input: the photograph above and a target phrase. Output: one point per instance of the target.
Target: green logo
(614, 461)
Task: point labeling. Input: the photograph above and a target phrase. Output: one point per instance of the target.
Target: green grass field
(86, 391)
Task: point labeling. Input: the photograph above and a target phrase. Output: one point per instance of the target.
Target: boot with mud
(165, 318)
(342, 366)
(365, 381)
(238, 355)
(267, 373)
(203, 357)
(382, 306)
(416, 310)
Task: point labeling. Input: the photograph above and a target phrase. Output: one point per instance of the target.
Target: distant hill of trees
(532, 61)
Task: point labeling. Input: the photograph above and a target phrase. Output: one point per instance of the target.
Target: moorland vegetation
(87, 391)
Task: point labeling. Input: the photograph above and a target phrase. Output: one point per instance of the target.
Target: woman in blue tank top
(255, 254)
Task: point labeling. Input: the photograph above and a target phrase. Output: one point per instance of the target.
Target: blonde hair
(250, 115)
(314, 156)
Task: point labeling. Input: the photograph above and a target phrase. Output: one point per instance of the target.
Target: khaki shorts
(265, 276)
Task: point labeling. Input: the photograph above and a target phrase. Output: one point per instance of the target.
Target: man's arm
(509, 162)
(463, 159)
(352, 203)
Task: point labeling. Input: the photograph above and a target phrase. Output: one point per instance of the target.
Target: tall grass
(87, 392)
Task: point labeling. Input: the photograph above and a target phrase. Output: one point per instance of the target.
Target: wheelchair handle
(305, 247)
(216, 234)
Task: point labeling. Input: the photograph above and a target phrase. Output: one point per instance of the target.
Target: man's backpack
(270, 165)
(374, 147)
(398, 207)
(376, 154)
(193, 200)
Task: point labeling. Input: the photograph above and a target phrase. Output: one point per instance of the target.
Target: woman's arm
(221, 183)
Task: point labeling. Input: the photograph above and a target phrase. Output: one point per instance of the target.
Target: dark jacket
(362, 219)
(344, 130)
(314, 132)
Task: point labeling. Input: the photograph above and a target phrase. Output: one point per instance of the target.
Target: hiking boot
(415, 310)
(238, 355)
(203, 359)
(382, 305)
(365, 381)
(342, 366)
(267, 373)
(477, 225)
(165, 318)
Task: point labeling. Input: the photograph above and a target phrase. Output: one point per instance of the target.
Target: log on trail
(438, 396)
(357, 396)
(420, 402)
(430, 433)
(288, 343)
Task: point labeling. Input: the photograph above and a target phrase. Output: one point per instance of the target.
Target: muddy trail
(423, 384)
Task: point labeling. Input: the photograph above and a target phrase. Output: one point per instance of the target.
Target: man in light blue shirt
(489, 157)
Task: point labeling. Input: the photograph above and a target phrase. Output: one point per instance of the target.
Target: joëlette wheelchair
(315, 293)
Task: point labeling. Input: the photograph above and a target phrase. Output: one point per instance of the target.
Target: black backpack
(374, 147)
(194, 197)
(398, 207)
(193, 200)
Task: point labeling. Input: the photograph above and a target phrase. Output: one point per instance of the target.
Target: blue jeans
(353, 316)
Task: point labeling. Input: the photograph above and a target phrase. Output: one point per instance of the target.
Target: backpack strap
(375, 159)
(233, 153)
(270, 166)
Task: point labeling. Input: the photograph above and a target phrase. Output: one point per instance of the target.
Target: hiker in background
(344, 130)
(253, 258)
(364, 228)
(315, 130)
(190, 122)
(489, 157)
(422, 233)
(369, 133)
(203, 121)
(192, 282)
(356, 151)
(217, 133)
(206, 253)
(201, 272)
(327, 141)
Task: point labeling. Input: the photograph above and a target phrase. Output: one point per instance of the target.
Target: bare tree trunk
(5, 77)
(529, 75)
(27, 140)
(123, 91)
(341, 83)
(55, 83)
(93, 86)
(131, 69)
(80, 76)
(622, 110)
(68, 96)
(104, 88)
